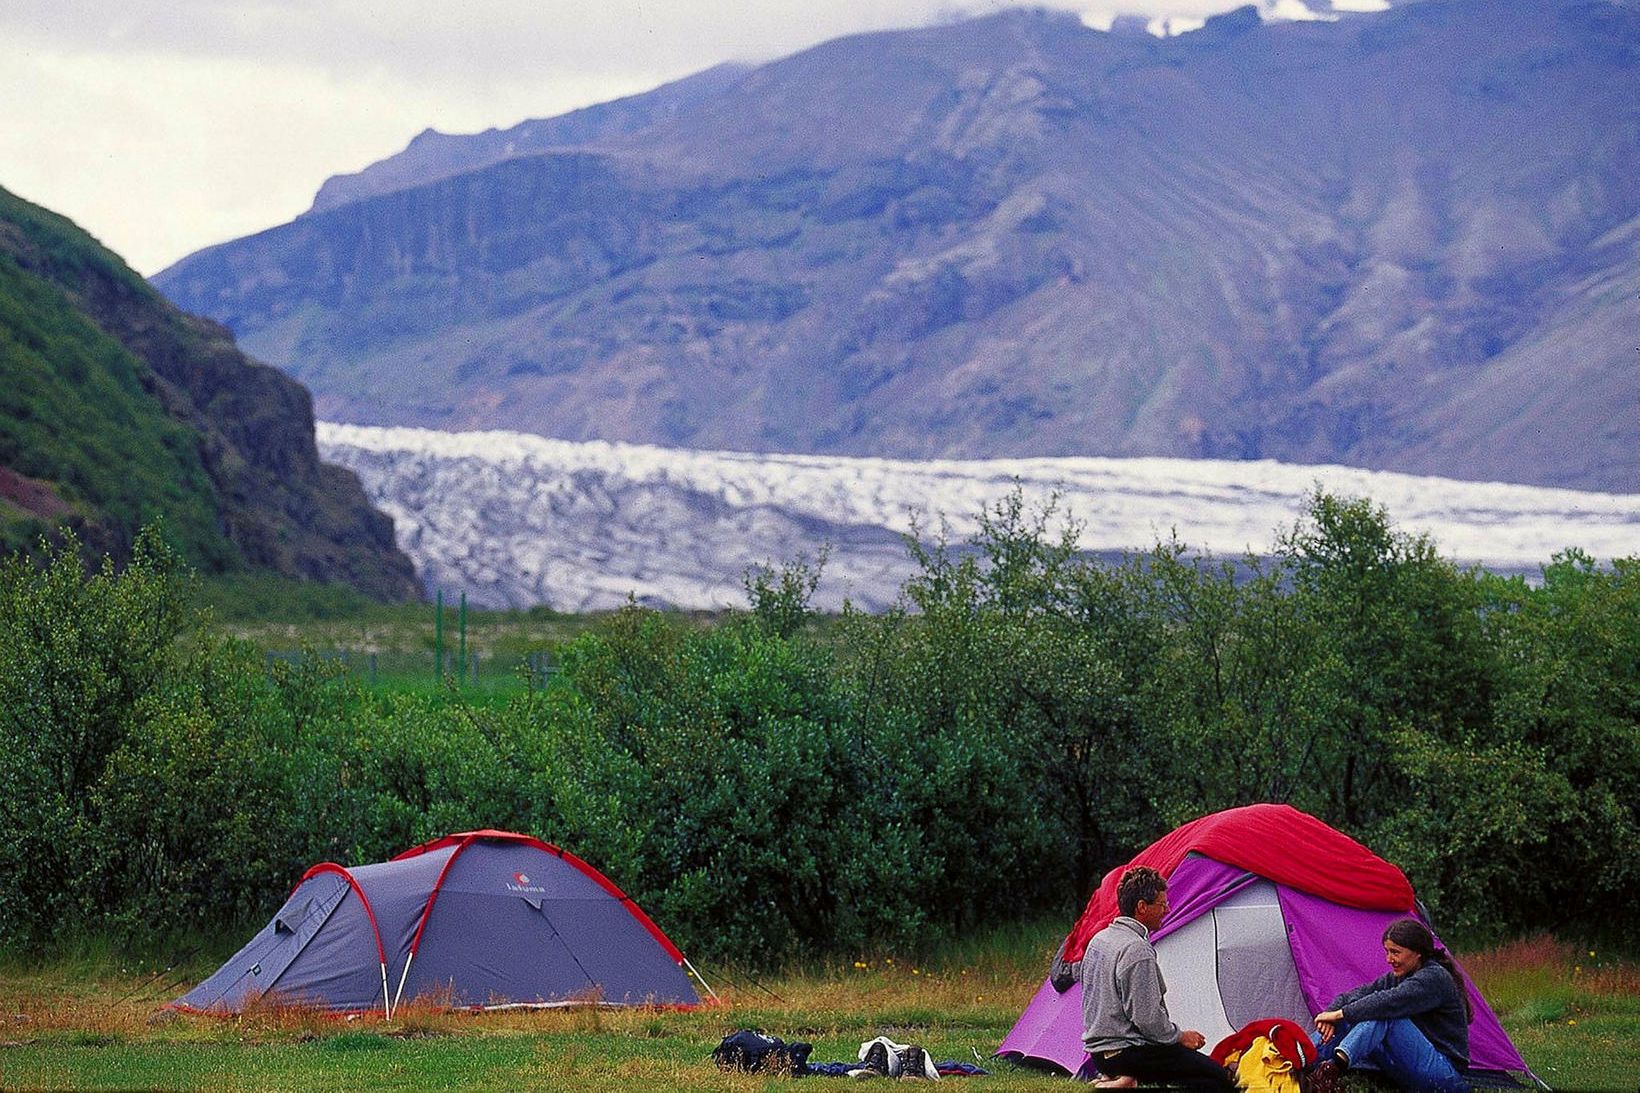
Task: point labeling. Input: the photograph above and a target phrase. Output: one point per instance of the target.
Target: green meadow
(90, 1023)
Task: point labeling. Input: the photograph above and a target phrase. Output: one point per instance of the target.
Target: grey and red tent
(1272, 914)
(483, 918)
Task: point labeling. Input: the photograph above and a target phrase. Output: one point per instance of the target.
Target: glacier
(517, 520)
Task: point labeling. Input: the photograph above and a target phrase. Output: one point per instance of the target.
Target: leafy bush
(777, 785)
(86, 660)
(711, 774)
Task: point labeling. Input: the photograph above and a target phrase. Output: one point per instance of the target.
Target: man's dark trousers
(1170, 1064)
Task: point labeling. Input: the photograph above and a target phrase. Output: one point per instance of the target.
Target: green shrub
(708, 772)
(774, 786)
(86, 661)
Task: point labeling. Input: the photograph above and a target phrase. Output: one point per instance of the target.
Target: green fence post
(438, 637)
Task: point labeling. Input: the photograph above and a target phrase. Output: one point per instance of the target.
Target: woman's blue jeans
(1400, 1051)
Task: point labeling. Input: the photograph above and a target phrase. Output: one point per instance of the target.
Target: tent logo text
(521, 883)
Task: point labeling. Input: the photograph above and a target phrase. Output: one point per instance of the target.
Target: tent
(483, 918)
(1272, 914)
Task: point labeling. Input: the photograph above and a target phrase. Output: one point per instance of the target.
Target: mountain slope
(116, 409)
(1403, 241)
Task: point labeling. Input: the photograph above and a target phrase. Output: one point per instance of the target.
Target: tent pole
(387, 1007)
(702, 979)
(398, 994)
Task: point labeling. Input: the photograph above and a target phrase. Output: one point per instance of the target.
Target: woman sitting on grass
(1412, 1024)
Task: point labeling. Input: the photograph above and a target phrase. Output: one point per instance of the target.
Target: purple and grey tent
(1273, 914)
(481, 919)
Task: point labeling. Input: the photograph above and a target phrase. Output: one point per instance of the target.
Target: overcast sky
(163, 126)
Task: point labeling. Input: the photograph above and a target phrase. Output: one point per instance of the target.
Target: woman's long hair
(1411, 934)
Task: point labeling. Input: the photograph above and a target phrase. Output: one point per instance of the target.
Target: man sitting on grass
(1124, 1010)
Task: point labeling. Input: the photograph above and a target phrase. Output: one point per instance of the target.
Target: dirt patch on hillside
(33, 496)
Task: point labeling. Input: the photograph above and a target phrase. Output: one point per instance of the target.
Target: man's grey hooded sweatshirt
(1122, 990)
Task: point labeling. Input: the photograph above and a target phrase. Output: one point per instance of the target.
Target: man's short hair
(1139, 884)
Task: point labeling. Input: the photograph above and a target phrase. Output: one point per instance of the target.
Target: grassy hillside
(82, 434)
(117, 410)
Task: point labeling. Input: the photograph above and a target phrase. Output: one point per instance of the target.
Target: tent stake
(398, 994)
(702, 979)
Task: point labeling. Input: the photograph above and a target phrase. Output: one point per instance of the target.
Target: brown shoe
(1125, 1081)
(1324, 1077)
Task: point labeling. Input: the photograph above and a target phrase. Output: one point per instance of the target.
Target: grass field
(394, 647)
(277, 615)
(90, 1024)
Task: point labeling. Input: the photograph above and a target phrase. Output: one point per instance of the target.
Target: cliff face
(1405, 241)
(168, 418)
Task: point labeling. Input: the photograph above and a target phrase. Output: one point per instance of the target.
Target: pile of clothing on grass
(1266, 1056)
(752, 1051)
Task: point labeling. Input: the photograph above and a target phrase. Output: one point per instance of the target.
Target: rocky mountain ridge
(1407, 240)
(433, 156)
